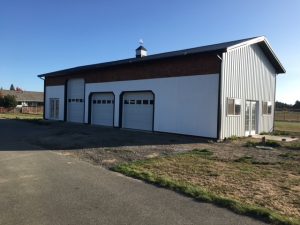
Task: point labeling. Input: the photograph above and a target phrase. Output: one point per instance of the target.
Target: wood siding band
(172, 67)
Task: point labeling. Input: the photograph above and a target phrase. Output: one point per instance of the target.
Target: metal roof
(208, 49)
(141, 48)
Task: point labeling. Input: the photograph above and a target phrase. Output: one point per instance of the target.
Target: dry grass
(21, 116)
(271, 186)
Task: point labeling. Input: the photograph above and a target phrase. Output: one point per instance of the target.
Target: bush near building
(8, 101)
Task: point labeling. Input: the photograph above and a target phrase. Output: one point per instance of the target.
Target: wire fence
(32, 110)
(287, 115)
(25, 110)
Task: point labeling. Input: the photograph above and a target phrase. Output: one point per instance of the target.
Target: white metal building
(214, 91)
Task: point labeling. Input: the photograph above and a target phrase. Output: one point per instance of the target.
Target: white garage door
(75, 107)
(102, 109)
(138, 110)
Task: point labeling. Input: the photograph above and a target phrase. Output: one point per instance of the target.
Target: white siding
(248, 75)
(55, 92)
(184, 105)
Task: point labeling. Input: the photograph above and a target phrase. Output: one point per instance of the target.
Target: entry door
(250, 118)
(75, 107)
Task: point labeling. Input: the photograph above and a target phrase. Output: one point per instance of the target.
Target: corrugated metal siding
(247, 75)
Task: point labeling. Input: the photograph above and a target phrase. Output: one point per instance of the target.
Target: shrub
(8, 101)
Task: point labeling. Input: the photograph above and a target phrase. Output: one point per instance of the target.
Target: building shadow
(46, 135)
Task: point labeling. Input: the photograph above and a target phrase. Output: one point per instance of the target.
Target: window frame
(268, 104)
(236, 102)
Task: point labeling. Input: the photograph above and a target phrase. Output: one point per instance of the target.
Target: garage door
(102, 109)
(75, 107)
(137, 112)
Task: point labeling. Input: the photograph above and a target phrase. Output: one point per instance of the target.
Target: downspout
(219, 100)
(44, 97)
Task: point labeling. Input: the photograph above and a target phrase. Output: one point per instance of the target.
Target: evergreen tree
(12, 88)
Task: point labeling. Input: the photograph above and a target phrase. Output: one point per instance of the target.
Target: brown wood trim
(171, 67)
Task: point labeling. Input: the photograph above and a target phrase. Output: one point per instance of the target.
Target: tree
(280, 105)
(9, 101)
(12, 88)
(1, 100)
(296, 105)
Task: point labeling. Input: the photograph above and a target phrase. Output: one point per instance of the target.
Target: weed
(251, 144)
(202, 152)
(233, 138)
(268, 143)
(280, 133)
(245, 159)
(288, 155)
(294, 146)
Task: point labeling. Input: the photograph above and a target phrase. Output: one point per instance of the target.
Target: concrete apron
(275, 138)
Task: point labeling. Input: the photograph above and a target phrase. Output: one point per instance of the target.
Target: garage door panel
(102, 110)
(138, 110)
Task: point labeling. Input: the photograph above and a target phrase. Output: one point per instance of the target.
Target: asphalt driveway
(40, 187)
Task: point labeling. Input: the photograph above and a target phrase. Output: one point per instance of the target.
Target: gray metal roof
(208, 49)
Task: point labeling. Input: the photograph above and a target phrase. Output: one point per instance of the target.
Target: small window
(233, 106)
(112, 101)
(103, 101)
(126, 102)
(108, 101)
(94, 101)
(151, 102)
(145, 102)
(54, 108)
(77, 100)
(132, 102)
(138, 102)
(73, 100)
(98, 101)
(69, 100)
(267, 108)
(81, 100)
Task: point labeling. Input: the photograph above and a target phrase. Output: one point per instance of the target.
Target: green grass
(287, 127)
(32, 118)
(173, 172)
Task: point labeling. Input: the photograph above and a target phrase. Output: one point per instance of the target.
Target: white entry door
(102, 109)
(251, 118)
(137, 110)
(75, 104)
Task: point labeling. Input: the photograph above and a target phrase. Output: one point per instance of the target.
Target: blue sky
(39, 36)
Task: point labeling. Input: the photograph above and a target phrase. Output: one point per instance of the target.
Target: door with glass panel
(250, 118)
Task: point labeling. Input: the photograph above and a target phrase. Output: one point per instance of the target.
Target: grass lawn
(269, 191)
(287, 126)
(21, 116)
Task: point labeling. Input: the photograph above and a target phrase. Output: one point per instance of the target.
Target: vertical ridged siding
(248, 75)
